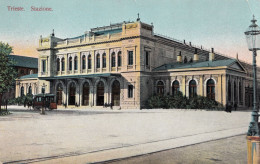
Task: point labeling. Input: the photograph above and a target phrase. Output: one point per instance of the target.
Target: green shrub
(20, 100)
(181, 102)
(156, 102)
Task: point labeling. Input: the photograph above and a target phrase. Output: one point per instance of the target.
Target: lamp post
(253, 135)
(43, 91)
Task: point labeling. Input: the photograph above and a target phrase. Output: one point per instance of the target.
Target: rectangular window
(43, 65)
(147, 58)
(130, 58)
(130, 91)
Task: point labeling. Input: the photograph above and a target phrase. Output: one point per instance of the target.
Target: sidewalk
(141, 149)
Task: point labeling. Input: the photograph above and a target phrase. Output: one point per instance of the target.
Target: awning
(81, 76)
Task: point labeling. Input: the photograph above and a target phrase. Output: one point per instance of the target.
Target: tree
(7, 71)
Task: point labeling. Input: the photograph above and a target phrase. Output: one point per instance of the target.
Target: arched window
(70, 63)
(62, 64)
(211, 89)
(76, 63)
(119, 59)
(175, 87)
(240, 93)
(30, 90)
(113, 59)
(22, 91)
(43, 90)
(58, 64)
(89, 61)
(193, 88)
(160, 88)
(98, 61)
(229, 91)
(83, 62)
(104, 60)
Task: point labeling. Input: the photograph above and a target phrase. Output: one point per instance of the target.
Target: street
(96, 135)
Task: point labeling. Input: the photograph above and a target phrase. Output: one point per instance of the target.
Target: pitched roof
(24, 61)
(216, 63)
(31, 76)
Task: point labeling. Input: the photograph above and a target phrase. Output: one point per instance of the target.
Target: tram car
(44, 100)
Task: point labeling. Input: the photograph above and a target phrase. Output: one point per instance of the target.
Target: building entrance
(85, 95)
(72, 94)
(59, 94)
(116, 93)
(100, 94)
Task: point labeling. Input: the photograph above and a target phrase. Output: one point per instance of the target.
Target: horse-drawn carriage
(44, 100)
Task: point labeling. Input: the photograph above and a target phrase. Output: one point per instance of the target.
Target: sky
(218, 24)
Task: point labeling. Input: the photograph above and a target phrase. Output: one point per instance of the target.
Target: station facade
(124, 64)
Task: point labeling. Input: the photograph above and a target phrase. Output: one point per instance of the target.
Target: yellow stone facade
(134, 60)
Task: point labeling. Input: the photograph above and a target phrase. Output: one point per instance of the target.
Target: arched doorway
(116, 93)
(192, 88)
(85, 94)
(59, 94)
(72, 93)
(30, 90)
(211, 89)
(22, 91)
(100, 93)
(175, 87)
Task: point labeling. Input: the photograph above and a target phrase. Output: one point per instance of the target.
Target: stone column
(201, 85)
(79, 62)
(93, 57)
(73, 58)
(108, 60)
(224, 89)
(183, 83)
(66, 64)
(218, 90)
(60, 65)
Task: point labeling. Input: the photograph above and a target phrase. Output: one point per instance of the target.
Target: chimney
(179, 58)
(211, 55)
(196, 56)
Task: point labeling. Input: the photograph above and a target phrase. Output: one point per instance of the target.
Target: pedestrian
(235, 106)
(228, 107)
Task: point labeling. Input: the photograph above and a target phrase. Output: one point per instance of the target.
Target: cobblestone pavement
(27, 136)
(231, 150)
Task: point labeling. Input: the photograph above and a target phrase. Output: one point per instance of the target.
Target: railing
(73, 41)
(69, 72)
(44, 73)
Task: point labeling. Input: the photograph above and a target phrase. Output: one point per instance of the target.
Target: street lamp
(253, 137)
(253, 42)
(43, 91)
